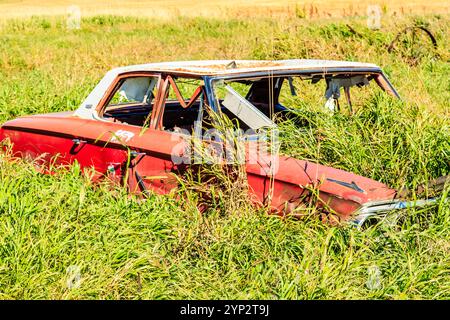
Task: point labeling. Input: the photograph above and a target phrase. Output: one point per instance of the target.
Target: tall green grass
(163, 248)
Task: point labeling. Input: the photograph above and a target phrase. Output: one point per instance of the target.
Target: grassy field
(55, 227)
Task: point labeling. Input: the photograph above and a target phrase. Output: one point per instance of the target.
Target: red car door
(162, 148)
(133, 148)
(151, 165)
(154, 160)
(95, 147)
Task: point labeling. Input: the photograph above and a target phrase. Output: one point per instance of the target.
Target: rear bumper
(380, 208)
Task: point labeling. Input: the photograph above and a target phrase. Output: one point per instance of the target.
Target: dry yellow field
(218, 8)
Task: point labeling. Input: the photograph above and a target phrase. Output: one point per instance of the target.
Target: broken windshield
(254, 103)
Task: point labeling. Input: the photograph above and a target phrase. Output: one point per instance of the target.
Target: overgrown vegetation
(163, 248)
(398, 143)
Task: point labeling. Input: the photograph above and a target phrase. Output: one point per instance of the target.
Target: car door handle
(78, 141)
(135, 154)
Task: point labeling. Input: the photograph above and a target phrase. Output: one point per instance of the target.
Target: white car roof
(230, 67)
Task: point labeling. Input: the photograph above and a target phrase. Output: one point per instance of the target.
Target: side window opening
(182, 104)
(132, 101)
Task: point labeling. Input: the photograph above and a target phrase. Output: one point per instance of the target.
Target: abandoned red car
(138, 120)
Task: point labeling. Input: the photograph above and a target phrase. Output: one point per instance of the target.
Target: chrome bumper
(379, 208)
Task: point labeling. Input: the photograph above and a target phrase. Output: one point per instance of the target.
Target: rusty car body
(128, 127)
